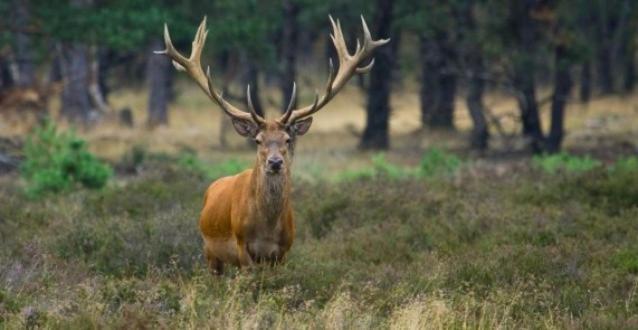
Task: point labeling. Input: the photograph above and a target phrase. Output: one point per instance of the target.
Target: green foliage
(625, 165)
(553, 163)
(438, 162)
(626, 260)
(58, 161)
(190, 161)
(387, 169)
(381, 167)
(434, 163)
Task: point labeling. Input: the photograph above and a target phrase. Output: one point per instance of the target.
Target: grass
(523, 250)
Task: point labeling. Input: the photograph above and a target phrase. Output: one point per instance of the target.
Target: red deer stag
(247, 218)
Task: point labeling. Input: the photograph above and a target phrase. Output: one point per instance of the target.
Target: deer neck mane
(270, 192)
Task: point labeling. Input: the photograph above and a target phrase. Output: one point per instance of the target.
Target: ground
(495, 242)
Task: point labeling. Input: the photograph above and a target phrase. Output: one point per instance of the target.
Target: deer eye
(288, 141)
(258, 141)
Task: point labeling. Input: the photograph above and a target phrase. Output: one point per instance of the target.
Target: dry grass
(609, 122)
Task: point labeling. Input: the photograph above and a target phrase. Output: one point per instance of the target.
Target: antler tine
(291, 103)
(348, 66)
(251, 107)
(193, 67)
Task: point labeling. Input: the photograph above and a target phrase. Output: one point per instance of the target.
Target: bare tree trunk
(629, 79)
(627, 54)
(562, 89)
(22, 42)
(376, 132)
(159, 79)
(604, 51)
(443, 117)
(480, 133)
(476, 83)
(289, 42)
(438, 81)
(95, 91)
(5, 75)
(74, 66)
(585, 82)
(524, 71)
(429, 90)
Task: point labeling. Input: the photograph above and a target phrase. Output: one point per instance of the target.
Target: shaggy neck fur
(271, 192)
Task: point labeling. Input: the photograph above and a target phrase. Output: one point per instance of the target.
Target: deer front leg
(244, 257)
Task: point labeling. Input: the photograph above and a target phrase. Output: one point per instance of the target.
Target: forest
(483, 173)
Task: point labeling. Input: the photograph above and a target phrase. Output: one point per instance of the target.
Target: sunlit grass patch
(565, 162)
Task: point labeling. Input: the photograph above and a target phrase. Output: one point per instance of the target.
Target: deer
(247, 219)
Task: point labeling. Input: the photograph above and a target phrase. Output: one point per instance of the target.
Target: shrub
(438, 162)
(565, 162)
(189, 160)
(57, 161)
(625, 165)
(384, 168)
(381, 167)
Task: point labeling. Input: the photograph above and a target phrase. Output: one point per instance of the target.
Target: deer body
(247, 218)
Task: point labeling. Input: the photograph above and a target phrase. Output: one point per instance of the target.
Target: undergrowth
(516, 251)
(60, 161)
(434, 163)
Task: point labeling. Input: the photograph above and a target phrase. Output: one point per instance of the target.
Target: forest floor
(487, 241)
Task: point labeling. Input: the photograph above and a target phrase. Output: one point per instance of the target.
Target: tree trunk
(562, 89)
(23, 46)
(480, 133)
(98, 99)
(629, 79)
(74, 66)
(604, 51)
(438, 85)
(605, 79)
(376, 132)
(524, 71)
(585, 82)
(443, 116)
(476, 83)
(5, 75)
(528, 106)
(429, 90)
(159, 76)
(289, 42)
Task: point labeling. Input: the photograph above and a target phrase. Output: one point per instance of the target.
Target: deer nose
(275, 163)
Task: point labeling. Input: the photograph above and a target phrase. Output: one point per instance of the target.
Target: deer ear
(300, 127)
(246, 128)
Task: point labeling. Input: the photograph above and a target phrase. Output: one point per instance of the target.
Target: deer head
(276, 138)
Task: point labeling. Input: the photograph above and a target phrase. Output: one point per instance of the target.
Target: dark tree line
(462, 50)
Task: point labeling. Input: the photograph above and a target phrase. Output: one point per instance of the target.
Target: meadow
(427, 235)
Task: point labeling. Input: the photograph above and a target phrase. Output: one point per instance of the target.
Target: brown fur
(247, 218)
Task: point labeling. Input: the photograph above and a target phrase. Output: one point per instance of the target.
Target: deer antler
(349, 65)
(193, 68)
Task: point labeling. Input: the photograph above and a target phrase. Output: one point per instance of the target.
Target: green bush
(565, 162)
(435, 162)
(625, 165)
(58, 161)
(385, 168)
(381, 167)
(189, 160)
(438, 162)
